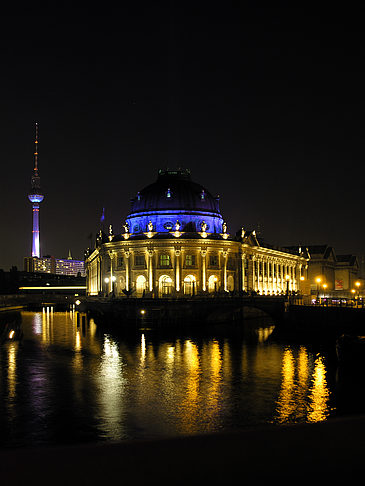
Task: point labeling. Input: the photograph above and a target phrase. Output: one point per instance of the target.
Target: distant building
(347, 272)
(56, 266)
(331, 274)
(70, 267)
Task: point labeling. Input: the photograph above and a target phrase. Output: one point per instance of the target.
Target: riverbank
(325, 451)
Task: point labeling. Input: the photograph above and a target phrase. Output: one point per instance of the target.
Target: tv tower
(35, 197)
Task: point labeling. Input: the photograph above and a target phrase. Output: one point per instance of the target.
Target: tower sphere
(35, 198)
(173, 198)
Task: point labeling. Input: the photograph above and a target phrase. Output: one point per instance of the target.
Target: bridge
(195, 310)
(34, 301)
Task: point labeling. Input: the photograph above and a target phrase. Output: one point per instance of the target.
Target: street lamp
(324, 289)
(112, 279)
(357, 283)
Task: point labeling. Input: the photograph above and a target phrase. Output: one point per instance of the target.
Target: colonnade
(272, 275)
(265, 274)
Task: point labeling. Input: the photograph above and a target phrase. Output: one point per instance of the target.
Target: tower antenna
(36, 148)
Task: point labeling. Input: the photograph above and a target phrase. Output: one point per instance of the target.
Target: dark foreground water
(69, 382)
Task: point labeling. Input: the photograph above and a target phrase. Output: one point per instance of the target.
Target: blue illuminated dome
(173, 198)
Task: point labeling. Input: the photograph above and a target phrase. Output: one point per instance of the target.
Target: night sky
(265, 106)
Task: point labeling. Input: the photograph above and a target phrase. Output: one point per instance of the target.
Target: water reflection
(75, 382)
(319, 393)
(111, 384)
(304, 393)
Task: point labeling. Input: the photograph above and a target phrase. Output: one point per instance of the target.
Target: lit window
(164, 260)
(190, 260)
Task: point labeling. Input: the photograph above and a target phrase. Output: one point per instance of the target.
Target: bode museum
(175, 243)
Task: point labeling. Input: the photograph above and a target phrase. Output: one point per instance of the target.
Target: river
(65, 380)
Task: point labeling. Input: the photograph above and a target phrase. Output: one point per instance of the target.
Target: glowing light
(286, 400)
(50, 287)
(319, 396)
(143, 350)
(11, 334)
(78, 302)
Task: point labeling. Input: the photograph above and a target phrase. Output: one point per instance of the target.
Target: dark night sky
(265, 106)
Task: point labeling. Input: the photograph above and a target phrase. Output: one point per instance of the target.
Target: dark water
(67, 382)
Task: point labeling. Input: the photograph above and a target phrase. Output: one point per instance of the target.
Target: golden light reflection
(263, 333)
(286, 403)
(190, 400)
(319, 394)
(111, 384)
(143, 350)
(12, 352)
(215, 378)
(78, 341)
(170, 355)
(304, 394)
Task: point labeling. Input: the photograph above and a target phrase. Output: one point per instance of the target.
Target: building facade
(175, 243)
(56, 266)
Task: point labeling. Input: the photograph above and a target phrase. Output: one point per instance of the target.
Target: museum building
(175, 243)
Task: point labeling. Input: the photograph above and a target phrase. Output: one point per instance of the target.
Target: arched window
(230, 283)
(165, 285)
(189, 285)
(140, 285)
(213, 282)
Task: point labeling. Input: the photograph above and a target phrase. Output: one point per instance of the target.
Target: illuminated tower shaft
(35, 239)
(36, 197)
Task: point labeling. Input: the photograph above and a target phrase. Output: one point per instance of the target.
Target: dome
(174, 197)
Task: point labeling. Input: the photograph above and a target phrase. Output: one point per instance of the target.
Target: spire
(69, 255)
(36, 180)
(36, 149)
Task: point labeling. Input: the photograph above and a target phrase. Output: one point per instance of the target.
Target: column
(253, 272)
(204, 269)
(127, 255)
(224, 253)
(243, 276)
(99, 286)
(150, 270)
(111, 278)
(258, 275)
(268, 289)
(177, 270)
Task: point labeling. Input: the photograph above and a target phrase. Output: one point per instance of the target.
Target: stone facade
(183, 267)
